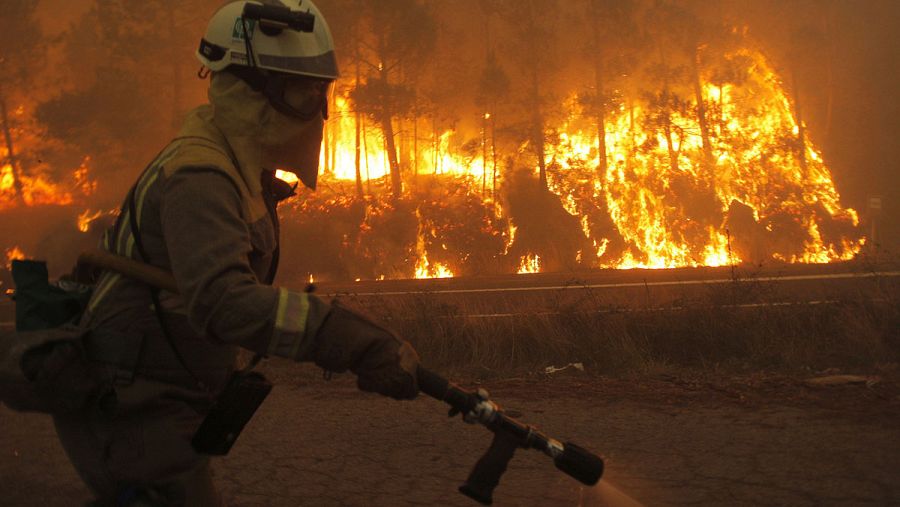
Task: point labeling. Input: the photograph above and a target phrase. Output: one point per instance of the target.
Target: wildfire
(426, 270)
(286, 176)
(86, 217)
(33, 189)
(529, 264)
(679, 185)
(436, 152)
(652, 193)
(13, 254)
(671, 194)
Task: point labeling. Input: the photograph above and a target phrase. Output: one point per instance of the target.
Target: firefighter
(205, 210)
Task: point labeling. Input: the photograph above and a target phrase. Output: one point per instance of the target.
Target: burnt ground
(675, 439)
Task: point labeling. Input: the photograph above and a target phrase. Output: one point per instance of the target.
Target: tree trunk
(666, 121)
(326, 148)
(358, 150)
(390, 146)
(416, 143)
(798, 115)
(358, 145)
(599, 103)
(435, 144)
(484, 120)
(600, 108)
(537, 126)
(701, 117)
(539, 149)
(494, 157)
(332, 126)
(366, 155)
(673, 155)
(11, 152)
(632, 152)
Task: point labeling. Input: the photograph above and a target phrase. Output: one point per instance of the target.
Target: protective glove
(382, 362)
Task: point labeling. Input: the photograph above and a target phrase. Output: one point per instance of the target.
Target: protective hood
(261, 137)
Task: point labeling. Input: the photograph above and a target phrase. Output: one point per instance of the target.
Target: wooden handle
(131, 268)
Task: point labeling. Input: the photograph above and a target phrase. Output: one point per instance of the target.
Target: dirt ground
(667, 439)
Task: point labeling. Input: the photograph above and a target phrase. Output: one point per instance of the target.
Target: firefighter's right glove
(382, 362)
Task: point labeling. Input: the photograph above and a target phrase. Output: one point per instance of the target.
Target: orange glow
(287, 177)
(39, 189)
(748, 165)
(746, 168)
(86, 217)
(529, 264)
(436, 155)
(13, 254)
(666, 196)
(424, 269)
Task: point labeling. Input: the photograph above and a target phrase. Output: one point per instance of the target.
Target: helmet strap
(248, 43)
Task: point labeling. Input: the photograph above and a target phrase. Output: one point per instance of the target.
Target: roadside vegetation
(731, 328)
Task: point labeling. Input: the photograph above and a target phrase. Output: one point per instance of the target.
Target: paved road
(665, 442)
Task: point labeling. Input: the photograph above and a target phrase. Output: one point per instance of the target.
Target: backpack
(43, 365)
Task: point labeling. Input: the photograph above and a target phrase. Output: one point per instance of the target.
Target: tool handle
(142, 272)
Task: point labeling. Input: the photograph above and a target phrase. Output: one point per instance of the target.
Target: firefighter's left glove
(382, 362)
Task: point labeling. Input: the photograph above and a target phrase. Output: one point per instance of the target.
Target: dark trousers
(142, 454)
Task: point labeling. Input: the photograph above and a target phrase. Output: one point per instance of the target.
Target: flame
(529, 264)
(652, 178)
(668, 195)
(287, 177)
(13, 254)
(39, 189)
(424, 269)
(436, 152)
(86, 217)
(638, 187)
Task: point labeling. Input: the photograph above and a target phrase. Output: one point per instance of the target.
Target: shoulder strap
(154, 291)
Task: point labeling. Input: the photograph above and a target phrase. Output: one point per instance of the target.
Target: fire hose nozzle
(580, 464)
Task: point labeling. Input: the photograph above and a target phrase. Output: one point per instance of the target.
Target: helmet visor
(299, 97)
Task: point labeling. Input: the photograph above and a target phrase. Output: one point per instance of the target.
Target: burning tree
(397, 42)
(20, 51)
(533, 24)
(612, 26)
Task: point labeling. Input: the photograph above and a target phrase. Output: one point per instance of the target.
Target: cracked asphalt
(666, 441)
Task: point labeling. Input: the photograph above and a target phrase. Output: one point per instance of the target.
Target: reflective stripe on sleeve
(290, 323)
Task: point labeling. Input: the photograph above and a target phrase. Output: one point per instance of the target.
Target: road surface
(667, 441)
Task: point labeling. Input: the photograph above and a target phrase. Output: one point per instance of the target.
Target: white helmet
(286, 36)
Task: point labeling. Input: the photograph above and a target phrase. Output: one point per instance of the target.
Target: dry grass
(725, 328)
